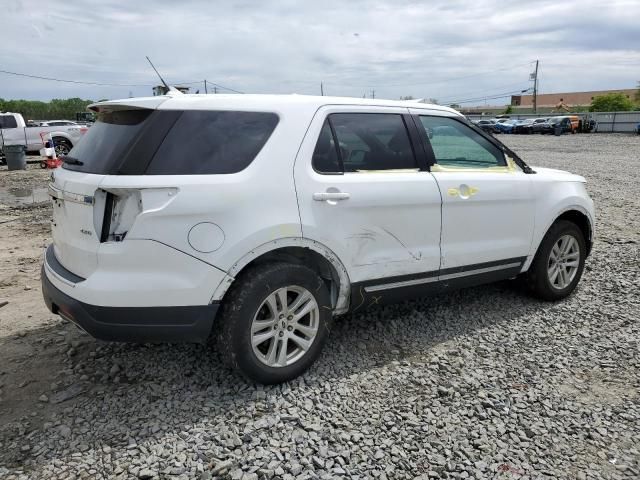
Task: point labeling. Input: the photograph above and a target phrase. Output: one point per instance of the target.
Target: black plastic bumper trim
(57, 267)
(133, 324)
(394, 289)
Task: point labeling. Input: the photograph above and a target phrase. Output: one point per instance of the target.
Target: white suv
(257, 218)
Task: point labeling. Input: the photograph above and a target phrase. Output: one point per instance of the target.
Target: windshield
(555, 120)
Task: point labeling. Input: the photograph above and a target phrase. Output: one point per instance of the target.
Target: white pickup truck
(14, 131)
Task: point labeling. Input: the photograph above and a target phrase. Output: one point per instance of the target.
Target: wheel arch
(62, 139)
(576, 214)
(582, 220)
(61, 136)
(301, 251)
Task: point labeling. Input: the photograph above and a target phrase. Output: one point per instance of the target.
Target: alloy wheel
(285, 326)
(564, 261)
(62, 149)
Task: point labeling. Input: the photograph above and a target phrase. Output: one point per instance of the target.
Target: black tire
(62, 146)
(242, 303)
(537, 277)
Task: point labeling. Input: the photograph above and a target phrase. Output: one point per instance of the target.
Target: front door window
(457, 145)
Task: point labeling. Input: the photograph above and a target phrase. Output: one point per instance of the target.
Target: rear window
(212, 142)
(103, 147)
(168, 142)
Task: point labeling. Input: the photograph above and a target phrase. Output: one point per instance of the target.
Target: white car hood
(559, 175)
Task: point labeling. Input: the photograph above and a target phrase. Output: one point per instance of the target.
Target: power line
(475, 92)
(74, 81)
(101, 84)
(486, 97)
(379, 85)
(223, 87)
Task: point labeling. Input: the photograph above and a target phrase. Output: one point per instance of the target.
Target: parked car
(638, 128)
(538, 125)
(58, 123)
(505, 125)
(261, 217)
(563, 123)
(14, 131)
(522, 126)
(488, 126)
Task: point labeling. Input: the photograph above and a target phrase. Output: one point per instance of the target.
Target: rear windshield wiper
(72, 161)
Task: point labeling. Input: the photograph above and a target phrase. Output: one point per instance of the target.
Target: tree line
(56, 109)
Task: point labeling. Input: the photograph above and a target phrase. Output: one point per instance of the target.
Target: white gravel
(483, 383)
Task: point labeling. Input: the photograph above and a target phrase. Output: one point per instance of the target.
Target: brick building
(571, 99)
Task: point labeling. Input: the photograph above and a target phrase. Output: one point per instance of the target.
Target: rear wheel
(559, 262)
(274, 322)
(62, 146)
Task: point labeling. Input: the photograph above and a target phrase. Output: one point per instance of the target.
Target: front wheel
(559, 262)
(274, 322)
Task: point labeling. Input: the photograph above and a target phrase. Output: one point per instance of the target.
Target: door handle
(464, 191)
(332, 196)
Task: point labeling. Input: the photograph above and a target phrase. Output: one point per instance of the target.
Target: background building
(571, 99)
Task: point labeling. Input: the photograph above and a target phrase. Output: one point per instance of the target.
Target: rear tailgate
(78, 201)
(78, 208)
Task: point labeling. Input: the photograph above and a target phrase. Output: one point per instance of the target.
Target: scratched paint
(379, 246)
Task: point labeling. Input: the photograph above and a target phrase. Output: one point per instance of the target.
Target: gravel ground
(483, 383)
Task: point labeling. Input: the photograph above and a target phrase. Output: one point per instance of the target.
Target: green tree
(508, 110)
(638, 95)
(55, 109)
(611, 102)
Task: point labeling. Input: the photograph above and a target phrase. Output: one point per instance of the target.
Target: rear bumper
(132, 324)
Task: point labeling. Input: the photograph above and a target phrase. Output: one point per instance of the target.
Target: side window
(325, 156)
(454, 144)
(8, 121)
(212, 142)
(373, 141)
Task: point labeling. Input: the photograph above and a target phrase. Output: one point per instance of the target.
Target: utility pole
(215, 89)
(205, 86)
(535, 89)
(373, 94)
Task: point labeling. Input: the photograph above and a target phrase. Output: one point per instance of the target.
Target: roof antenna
(169, 89)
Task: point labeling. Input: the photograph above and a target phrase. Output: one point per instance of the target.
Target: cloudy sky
(450, 50)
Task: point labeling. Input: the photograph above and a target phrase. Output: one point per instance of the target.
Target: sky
(454, 51)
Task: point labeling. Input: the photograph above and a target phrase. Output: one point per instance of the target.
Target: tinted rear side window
(325, 156)
(212, 142)
(373, 141)
(102, 148)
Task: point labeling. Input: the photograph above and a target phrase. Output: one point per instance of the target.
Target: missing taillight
(122, 206)
(106, 220)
